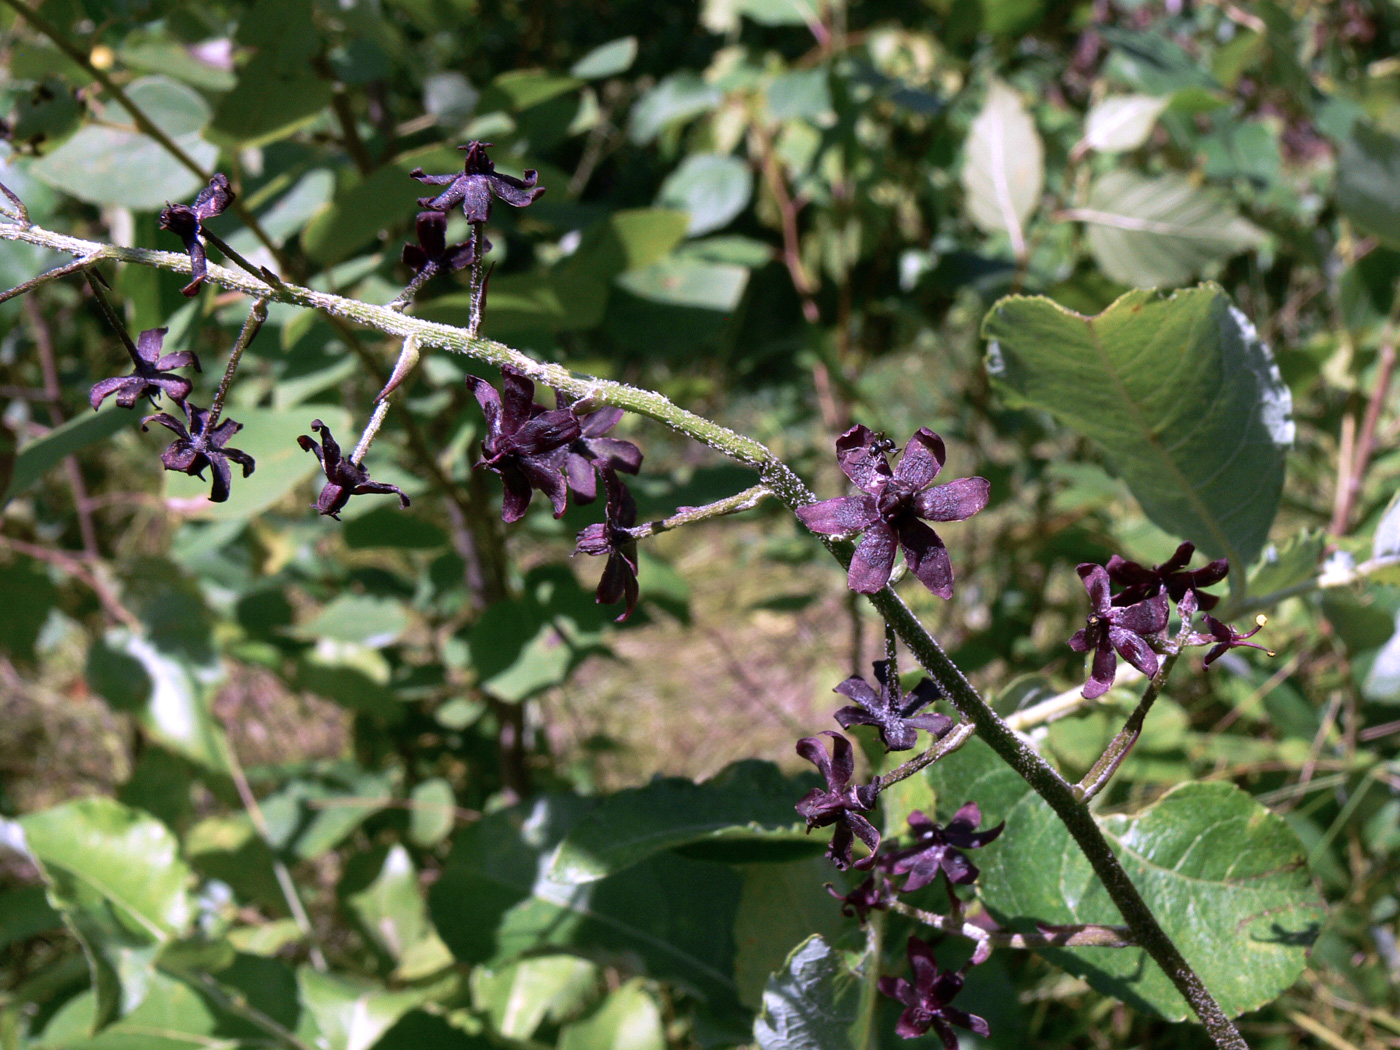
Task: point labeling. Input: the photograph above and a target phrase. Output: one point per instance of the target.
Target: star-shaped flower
(343, 478)
(896, 718)
(874, 894)
(591, 448)
(200, 446)
(1139, 582)
(185, 222)
(840, 804)
(611, 537)
(1222, 637)
(1109, 627)
(477, 184)
(525, 443)
(926, 1001)
(937, 848)
(152, 375)
(432, 252)
(890, 506)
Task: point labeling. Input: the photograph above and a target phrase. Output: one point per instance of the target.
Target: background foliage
(271, 779)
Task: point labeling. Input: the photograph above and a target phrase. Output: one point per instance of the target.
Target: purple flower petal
(873, 560)
(955, 501)
(927, 557)
(867, 470)
(832, 517)
(923, 458)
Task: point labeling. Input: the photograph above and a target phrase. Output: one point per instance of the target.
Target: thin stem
(254, 321)
(43, 278)
(478, 281)
(955, 739)
(239, 1005)
(371, 428)
(113, 318)
(1073, 935)
(1349, 485)
(1061, 705)
(279, 869)
(74, 567)
(1117, 751)
(892, 659)
(421, 278)
(740, 501)
(21, 213)
(260, 272)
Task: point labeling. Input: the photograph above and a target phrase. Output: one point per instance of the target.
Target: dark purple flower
(1222, 637)
(199, 446)
(432, 249)
(343, 478)
(937, 848)
(477, 184)
(525, 443)
(185, 222)
(839, 802)
(890, 506)
(1110, 627)
(611, 537)
(152, 374)
(591, 448)
(874, 894)
(896, 718)
(1139, 582)
(926, 1000)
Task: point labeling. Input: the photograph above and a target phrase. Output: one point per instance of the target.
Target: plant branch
(20, 213)
(44, 278)
(740, 501)
(1047, 935)
(956, 738)
(74, 567)
(1117, 751)
(257, 314)
(1349, 482)
(780, 479)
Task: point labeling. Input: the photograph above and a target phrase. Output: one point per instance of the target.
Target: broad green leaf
(496, 902)
(782, 905)
(116, 875)
(722, 16)
(1120, 123)
(801, 94)
(608, 60)
(270, 102)
(308, 817)
(625, 240)
(393, 913)
(1368, 182)
(114, 166)
(1177, 390)
(172, 1016)
(290, 212)
(358, 618)
(157, 53)
(41, 455)
(520, 89)
(350, 1014)
(1003, 170)
(360, 211)
(688, 283)
(163, 689)
(1289, 565)
(712, 188)
(1226, 878)
(679, 97)
(1152, 62)
(813, 1003)
(270, 437)
(744, 813)
(418, 1029)
(1160, 231)
(517, 998)
(629, 1019)
(433, 814)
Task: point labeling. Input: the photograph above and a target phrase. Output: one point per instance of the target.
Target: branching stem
(1076, 935)
(740, 501)
(257, 314)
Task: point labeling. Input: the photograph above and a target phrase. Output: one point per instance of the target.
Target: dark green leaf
(1179, 393)
(813, 1003)
(40, 456)
(1368, 182)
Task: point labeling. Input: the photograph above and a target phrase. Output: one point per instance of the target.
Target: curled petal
(927, 557)
(858, 689)
(545, 432)
(1096, 582)
(1080, 641)
(867, 469)
(1101, 676)
(1146, 617)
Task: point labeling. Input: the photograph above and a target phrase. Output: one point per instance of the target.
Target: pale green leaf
(1120, 123)
(628, 1020)
(1003, 171)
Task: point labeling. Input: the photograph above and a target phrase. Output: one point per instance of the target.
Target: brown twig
(73, 566)
(1352, 468)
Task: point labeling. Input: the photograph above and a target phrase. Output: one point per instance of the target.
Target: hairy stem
(790, 489)
(1077, 935)
(956, 738)
(44, 278)
(740, 501)
(257, 314)
(1117, 751)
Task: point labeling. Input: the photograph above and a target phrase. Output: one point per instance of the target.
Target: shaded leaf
(41, 455)
(713, 189)
(1368, 182)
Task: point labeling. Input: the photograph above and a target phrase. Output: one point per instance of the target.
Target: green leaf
(349, 1014)
(781, 906)
(1003, 172)
(41, 455)
(31, 596)
(713, 189)
(357, 618)
(679, 97)
(391, 910)
(270, 102)
(1161, 231)
(309, 817)
(270, 437)
(609, 60)
(1368, 182)
(1227, 880)
(496, 902)
(626, 240)
(517, 998)
(1289, 565)
(166, 691)
(1179, 393)
(360, 211)
(746, 809)
(801, 94)
(26, 913)
(813, 1003)
(172, 1016)
(116, 875)
(628, 1020)
(433, 814)
(113, 166)
(1120, 123)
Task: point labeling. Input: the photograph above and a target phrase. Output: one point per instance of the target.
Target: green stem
(790, 489)
(1117, 751)
(735, 504)
(44, 278)
(254, 321)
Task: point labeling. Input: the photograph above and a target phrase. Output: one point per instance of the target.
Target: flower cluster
(1133, 623)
